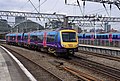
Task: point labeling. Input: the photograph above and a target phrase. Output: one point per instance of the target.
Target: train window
(56, 37)
(40, 38)
(79, 36)
(19, 37)
(14, 37)
(115, 36)
(69, 37)
(50, 38)
(33, 38)
(83, 35)
(25, 37)
(97, 37)
(10, 37)
(101, 36)
(105, 36)
(88, 36)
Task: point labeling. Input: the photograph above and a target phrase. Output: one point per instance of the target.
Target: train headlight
(77, 45)
(62, 45)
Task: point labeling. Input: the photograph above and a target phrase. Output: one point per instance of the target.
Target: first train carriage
(59, 42)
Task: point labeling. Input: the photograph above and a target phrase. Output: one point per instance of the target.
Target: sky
(58, 6)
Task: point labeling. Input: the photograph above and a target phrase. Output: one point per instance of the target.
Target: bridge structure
(114, 2)
(90, 20)
(94, 18)
(60, 17)
(31, 15)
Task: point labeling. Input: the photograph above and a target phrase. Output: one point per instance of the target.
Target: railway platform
(113, 51)
(10, 69)
(101, 47)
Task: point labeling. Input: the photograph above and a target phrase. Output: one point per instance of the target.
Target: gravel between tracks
(46, 61)
(108, 62)
(104, 61)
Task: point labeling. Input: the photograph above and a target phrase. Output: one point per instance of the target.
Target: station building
(4, 28)
(27, 26)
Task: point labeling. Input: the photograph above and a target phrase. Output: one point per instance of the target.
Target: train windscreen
(69, 37)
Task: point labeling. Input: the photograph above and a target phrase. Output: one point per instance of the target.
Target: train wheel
(41, 49)
(51, 50)
(56, 54)
(71, 52)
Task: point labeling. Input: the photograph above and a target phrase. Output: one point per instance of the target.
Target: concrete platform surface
(9, 69)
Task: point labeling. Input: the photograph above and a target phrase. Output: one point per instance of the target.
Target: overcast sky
(58, 6)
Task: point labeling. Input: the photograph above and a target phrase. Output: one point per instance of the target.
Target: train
(60, 41)
(104, 39)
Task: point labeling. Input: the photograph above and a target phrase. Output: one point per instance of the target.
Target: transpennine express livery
(60, 42)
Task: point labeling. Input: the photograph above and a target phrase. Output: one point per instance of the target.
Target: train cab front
(69, 41)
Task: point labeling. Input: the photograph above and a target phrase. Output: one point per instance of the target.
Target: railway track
(97, 67)
(75, 72)
(39, 72)
(78, 61)
(81, 75)
(100, 55)
(35, 66)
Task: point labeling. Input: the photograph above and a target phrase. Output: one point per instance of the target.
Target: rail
(106, 70)
(80, 74)
(50, 74)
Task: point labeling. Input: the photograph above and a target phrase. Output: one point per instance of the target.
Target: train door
(110, 37)
(16, 39)
(28, 39)
(44, 39)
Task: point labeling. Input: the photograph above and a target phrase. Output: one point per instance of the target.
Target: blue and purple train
(62, 41)
(105, 39)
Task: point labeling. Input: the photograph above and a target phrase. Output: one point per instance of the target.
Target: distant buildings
(107, 27)
(24, 25)
(113, 30)
(19, 19)
(4, 26)
(97, 30)
(27, 26)
(54, 24)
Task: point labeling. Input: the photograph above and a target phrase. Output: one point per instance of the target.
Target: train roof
(116, 34)
(41, 33)
(57, 29)
(13, 34)
(99, 33)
